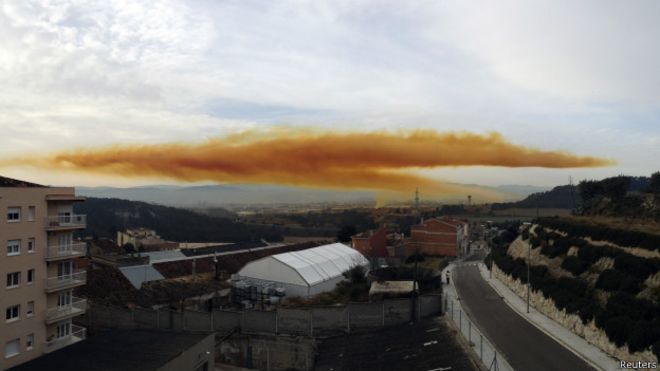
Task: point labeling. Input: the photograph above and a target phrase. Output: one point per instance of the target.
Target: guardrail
(77, 334)
(71, 250)
(72, 221)
(66, 281)
(77, 307)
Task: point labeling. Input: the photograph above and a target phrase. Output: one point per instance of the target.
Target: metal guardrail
(78, 306)
(66, 251)
(488, 354)
(74, 220)
(60, 282)
(77, 334)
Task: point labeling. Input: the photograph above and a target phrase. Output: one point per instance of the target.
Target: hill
(560, 197)
(602, 283)
(108, 215)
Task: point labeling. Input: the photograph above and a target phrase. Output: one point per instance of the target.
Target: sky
(577, 76)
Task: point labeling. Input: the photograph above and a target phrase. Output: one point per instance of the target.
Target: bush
(613, 280)
(622, 237)
(574, 265)
(619, 329)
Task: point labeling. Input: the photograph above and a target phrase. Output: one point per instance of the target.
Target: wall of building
(372, 245)
(435, 238)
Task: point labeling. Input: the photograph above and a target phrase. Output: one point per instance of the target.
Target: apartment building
(38, 270)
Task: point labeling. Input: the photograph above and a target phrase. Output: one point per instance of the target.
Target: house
(372, 244)
(438, 236)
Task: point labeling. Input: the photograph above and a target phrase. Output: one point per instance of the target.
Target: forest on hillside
(106, 216)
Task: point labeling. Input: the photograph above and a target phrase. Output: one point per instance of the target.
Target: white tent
(306, 272)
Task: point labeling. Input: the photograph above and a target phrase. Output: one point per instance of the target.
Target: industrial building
(303, 273)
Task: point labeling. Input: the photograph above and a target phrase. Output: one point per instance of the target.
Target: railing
(71, 250)
(66, 281)
(489, 356)
(77, 334)
(74, 220)
(78, 306)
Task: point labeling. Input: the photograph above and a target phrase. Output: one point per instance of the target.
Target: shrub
(619, 329)
(574, 265)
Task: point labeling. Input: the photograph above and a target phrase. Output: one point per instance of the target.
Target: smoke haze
(384, 162)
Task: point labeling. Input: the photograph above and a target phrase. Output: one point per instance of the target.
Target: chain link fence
(489, 356)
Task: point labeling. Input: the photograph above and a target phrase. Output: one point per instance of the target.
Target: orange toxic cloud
(378, 161)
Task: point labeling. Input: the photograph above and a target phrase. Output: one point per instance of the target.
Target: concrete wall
(268, 352)
(288, 321)
(294, 321)
(258, 321)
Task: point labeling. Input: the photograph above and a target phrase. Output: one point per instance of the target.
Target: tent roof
(322, 263)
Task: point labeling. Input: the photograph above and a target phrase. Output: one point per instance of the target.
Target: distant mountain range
(240, 194)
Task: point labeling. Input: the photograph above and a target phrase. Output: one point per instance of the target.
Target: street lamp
(529, 259)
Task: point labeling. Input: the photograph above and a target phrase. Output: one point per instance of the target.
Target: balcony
(69, 251)
(77, 307)
(64, 222)
(78, 333)
(66, 281)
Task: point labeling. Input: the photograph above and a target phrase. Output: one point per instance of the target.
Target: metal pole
(460, 321)
(529, 261)
(470, 333)
(452, 310)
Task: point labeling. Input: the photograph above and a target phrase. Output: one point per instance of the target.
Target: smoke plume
(379, 161)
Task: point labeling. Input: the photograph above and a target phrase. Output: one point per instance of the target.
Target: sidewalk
(591, 354)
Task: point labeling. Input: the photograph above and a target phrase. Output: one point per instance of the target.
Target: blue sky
(579, 76)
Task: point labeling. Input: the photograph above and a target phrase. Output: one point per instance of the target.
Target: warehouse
(306, 272)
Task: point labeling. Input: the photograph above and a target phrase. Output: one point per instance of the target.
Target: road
(523, 345)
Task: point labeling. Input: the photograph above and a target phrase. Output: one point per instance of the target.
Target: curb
(542, 329)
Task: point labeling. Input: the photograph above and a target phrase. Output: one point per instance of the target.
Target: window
(13, 279)
(31, 212)
(14, 214)
(13, 313)
(30, 308)
(30, 276)
(12, 348)
(13, 247)
(29, 341)
(30, 245)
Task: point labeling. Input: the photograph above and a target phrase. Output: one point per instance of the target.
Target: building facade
(38, 270)
(445, 237)
(372, 243)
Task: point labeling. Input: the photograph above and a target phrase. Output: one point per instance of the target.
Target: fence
(487, 353)
(323, 321)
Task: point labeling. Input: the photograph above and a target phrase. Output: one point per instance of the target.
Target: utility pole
(529, 263)
(417, 201)
(570, 185)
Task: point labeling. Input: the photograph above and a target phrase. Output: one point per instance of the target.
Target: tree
(654, 185)
(345, 233)
(129, 248)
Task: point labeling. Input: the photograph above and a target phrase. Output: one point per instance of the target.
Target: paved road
(524, 346)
